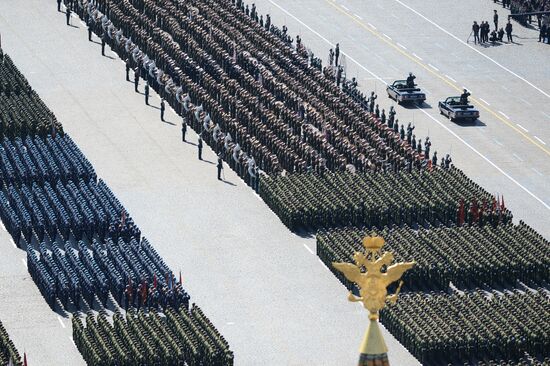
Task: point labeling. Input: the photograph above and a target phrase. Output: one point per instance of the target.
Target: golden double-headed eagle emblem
(373, 273)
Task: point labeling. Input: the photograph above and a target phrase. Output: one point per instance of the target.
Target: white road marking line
(13, 243)
(438, 45)
(498, 142)
(61, 322)
(526, 102)
(484, 101)
(395, 68)
(504, 114)
(344, 7)
(433, 67)
(114, 53)
(536, 171)
(395, 16)
(388, 37)
(546, 114)
(473, 48)
(426, 91)
(324, 265)
(542, 142)
(403, 47)
(450, 78)
(418, 57)
(517, 157)
(517, 124)
(24, 262)
(372, 26)
(308, 249)
(423, 111)
(358, 16)
(72, 340)
(505, 88)
(84, 24)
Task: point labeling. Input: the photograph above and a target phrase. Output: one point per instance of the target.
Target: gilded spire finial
(373, 272)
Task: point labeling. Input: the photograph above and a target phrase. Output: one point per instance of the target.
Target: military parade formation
(84, 251)
(8, 353)
(176, 337)
(321, 154)
(468, 256)
(443, 196)
(477, 326)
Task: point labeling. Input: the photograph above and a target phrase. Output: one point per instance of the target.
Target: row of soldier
(8, 353)
(176, 337)
(384, 199)
(467, 256)
(440, 328)
(201, 40)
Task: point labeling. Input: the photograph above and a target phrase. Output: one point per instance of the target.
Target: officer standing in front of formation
(220, 166)
(495, 20)
(89, 24)
(146, 93)
(103, 44)
(508, 30)
(162, 109)
(183, 129)
(200, 147)
(128, 69)
(68, 14)
(136, 79)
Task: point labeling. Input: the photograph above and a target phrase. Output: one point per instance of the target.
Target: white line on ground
(427, 91)
(61, 322)
(474, 49)
(358, 16)
(433, 67)
(114, 53)
(484, 101)
(308, 249)
(72, 340)
(24, 262)
(418, 57)
(539, 140)
(450, 78)
(423, 111)
(517, 124)
(504, 114)
(324, 265)
(505, 88)
(13, 243)
(372, 26)
(546, 114)
(230, 323)
(403, 47)
(388, 37)
(498, 142)
(536, 171)
(526, 102)
(517, 157)
(343, 7)
(84, 24)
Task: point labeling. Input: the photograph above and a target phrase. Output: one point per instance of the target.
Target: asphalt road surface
(261, 285)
